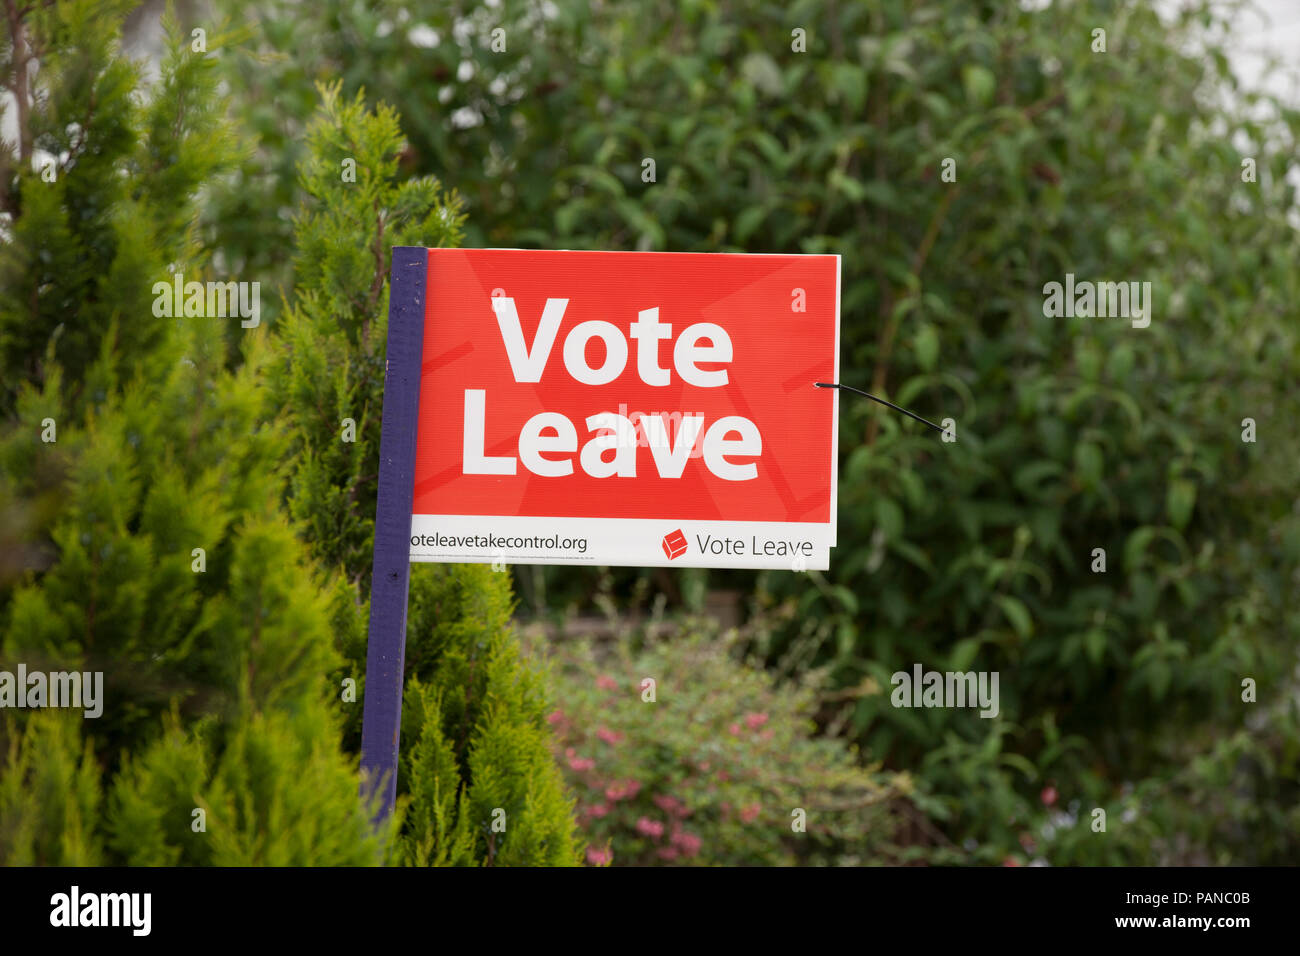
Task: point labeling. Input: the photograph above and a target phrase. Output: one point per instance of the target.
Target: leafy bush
(722, 766)
(1073, 434)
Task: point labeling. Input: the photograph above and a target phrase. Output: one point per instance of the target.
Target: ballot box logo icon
(674, 544)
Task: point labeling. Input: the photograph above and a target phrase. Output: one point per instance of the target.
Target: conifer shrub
(50, 795)
(154, 552)
(477, 780)
(477, 747)
(715, 763)
(272, 791)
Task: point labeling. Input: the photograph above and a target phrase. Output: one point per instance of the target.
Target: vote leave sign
(627, 408)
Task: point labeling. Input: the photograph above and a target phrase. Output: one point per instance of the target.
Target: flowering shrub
(681, 753)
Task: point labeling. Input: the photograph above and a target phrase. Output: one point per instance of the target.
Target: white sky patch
(1266, 28)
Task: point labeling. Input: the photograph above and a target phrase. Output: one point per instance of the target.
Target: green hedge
(1120, 688)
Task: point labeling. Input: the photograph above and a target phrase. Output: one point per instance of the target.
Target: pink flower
(750, 813)
(735, 730)
(597, 810)
(671, 805)
(599, 857)
(582, 763)
(651, 828)
(623, 791)
(606, 683)
(555, 716)
(1049, 796)
(668, 804)
(609, 736)
(667, 853)
(754, 721)
(689, 843)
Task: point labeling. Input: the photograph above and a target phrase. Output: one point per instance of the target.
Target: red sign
(627, 408)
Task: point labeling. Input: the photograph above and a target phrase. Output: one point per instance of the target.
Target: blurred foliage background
(1120, 689)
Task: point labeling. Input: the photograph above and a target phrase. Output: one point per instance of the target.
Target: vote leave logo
(531, 360)
(674, 544)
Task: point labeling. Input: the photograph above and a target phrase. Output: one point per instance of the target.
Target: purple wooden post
(386, 646)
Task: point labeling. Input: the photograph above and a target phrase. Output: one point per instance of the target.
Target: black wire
(880, 400)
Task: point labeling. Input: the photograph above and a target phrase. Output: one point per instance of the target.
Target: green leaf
(1020, 763)
(913, 554)
(927, 347)
(847, 598)
(1179, 501)
(1136, 546)
(1159, 675)
(847, 185)
(963, 652)
(1028, 477)
(980, 84)
(761, 71)
(1016, 613)
(748, 221)
(1095, 643)
(889, 517)
(1088, 462)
